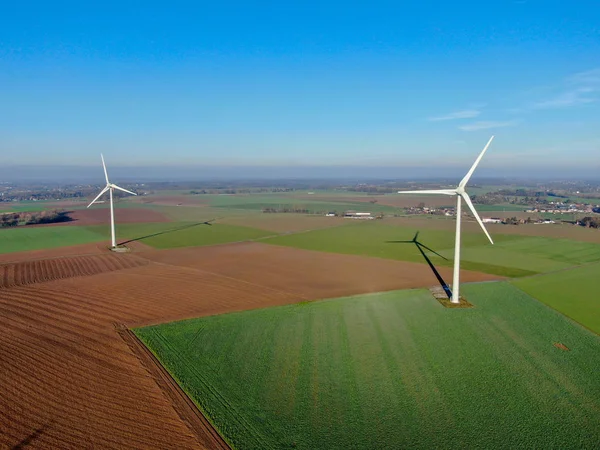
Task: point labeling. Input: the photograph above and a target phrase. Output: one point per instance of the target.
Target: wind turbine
(110, 188)
(461, 194)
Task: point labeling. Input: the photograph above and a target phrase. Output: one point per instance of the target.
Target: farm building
(491, 220)
(358, 215)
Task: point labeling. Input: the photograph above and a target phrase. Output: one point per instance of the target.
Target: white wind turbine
(461, 194)
(110, 188)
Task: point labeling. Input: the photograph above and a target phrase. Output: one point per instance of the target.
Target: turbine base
(447, 303)
(121, 249)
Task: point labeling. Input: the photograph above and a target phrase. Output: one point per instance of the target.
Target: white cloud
(578, 89)
(589, 77)
(575, 97)
(485, 125)
(465, 114)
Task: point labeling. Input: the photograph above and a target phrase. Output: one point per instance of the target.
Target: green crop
(391, 370)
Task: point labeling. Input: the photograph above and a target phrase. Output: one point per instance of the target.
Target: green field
(186, 234)
(512, 255)
(574, 292)
(22, 239)
(391, 370)
(258, 202)
(179, 234)
(158, 235)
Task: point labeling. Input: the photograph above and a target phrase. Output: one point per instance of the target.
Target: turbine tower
(110, 188)
(461, 194)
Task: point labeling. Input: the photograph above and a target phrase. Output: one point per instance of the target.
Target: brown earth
(68, 378)
(184, 405)
(42, 270)
(72, 250)
(307, 273)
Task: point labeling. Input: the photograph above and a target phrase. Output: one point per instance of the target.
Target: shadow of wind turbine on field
(31, 437)
(421, 246)
(172, 230)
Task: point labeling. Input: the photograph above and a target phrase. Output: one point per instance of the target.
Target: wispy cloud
(588, 77)
(575, 97)
(578, 89)
(485, 125)
(464, 114)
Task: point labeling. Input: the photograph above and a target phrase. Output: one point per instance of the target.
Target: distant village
(559, 208)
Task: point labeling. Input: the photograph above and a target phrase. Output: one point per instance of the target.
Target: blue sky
(281, 83)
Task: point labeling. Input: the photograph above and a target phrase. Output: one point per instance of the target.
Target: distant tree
(590, 222)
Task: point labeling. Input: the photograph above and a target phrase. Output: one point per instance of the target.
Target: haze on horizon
(378, 85)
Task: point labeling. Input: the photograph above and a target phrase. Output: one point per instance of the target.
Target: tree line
(33, 218)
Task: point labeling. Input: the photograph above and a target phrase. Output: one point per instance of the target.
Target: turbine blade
(106, 188)
(465, 180)
(416, 236)
(467, 200)
(434, 191)
(104, 166)
(430, 250)
(121, 189)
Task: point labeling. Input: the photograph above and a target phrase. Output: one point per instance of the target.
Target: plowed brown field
(308, 273)
(70, 380)
(72, 250)
(41, 270)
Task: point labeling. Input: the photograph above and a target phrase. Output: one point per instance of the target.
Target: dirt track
(68, 378)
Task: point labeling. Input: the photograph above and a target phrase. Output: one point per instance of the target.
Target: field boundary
(187, 410)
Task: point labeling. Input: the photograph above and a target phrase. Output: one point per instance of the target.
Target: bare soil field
(306, 273)
(70, 380)
(285, 222)
(72, 250)
(42, 270)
